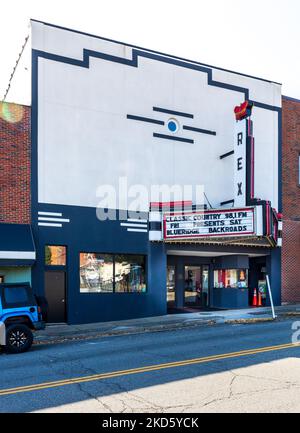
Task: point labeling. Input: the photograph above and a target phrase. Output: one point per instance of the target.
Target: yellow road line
(146, 369)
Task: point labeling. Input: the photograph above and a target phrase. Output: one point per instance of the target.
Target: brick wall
(14, 163)
(291, 201)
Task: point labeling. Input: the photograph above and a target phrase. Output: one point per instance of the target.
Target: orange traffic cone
(254, 302)
(259, 304)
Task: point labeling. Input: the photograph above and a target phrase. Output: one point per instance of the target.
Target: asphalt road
(192, 370)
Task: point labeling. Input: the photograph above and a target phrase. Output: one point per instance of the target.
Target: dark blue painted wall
(85, 233)
(274, 272)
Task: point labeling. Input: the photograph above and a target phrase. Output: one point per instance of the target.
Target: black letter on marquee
(240, 192)
(240, 138)
(240, 164)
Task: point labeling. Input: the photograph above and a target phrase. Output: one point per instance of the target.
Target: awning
(16, 245)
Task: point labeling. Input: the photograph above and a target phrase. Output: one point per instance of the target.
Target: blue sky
(259, 37)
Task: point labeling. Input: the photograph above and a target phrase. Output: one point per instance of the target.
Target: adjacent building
(149, 183)
(17, 251)
(291, 200)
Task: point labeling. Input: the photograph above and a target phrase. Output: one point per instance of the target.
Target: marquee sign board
(209, 224)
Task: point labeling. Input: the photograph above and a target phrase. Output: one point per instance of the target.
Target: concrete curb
(250, 321)
(133, 331)
(291, 314)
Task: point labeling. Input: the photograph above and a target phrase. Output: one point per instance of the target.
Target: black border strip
(171, 137)
(145, 119)
(153, 51)
(202, 131)
(175, 113)
(227, 202)
(155, 226)
(227, 154)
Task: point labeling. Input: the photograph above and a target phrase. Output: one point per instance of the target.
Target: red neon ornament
(243, 111)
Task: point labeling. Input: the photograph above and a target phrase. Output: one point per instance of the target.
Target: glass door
(196, 290)
(192, 286)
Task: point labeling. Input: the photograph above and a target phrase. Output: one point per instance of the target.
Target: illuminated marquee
(205, 224)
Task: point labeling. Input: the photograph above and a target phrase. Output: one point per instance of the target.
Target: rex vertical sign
(240, 141)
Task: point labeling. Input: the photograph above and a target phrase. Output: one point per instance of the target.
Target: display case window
(112, 273)
(96, 273)
(231, 279)
(130, 275)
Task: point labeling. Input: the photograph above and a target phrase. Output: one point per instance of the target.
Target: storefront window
(130, 274)
(231, 278)
(109, 273)
(96, 273)
(55, 255)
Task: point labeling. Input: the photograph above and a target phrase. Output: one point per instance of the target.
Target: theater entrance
(188, 287)
(196, 288)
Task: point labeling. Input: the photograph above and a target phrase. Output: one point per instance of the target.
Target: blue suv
(20, 314)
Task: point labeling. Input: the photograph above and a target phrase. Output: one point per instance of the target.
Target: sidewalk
(61, 333)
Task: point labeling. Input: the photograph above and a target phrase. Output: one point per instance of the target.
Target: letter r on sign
(240, 139)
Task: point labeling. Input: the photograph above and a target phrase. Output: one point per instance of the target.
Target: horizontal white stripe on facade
(54, 214)
(50, 225)
(60, 220)
(17, 255)
(131, 220)
(137, 230)
(134, 225)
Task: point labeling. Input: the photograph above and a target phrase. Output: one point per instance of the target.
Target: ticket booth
(231, 282)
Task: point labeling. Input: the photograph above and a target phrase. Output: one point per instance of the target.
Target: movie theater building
(115, 118)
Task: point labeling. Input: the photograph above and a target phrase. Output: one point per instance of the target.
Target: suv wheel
(19, 338)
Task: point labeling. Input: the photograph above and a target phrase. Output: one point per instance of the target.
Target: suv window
(15, 295)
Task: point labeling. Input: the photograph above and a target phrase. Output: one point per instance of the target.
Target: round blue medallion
(173, 126)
